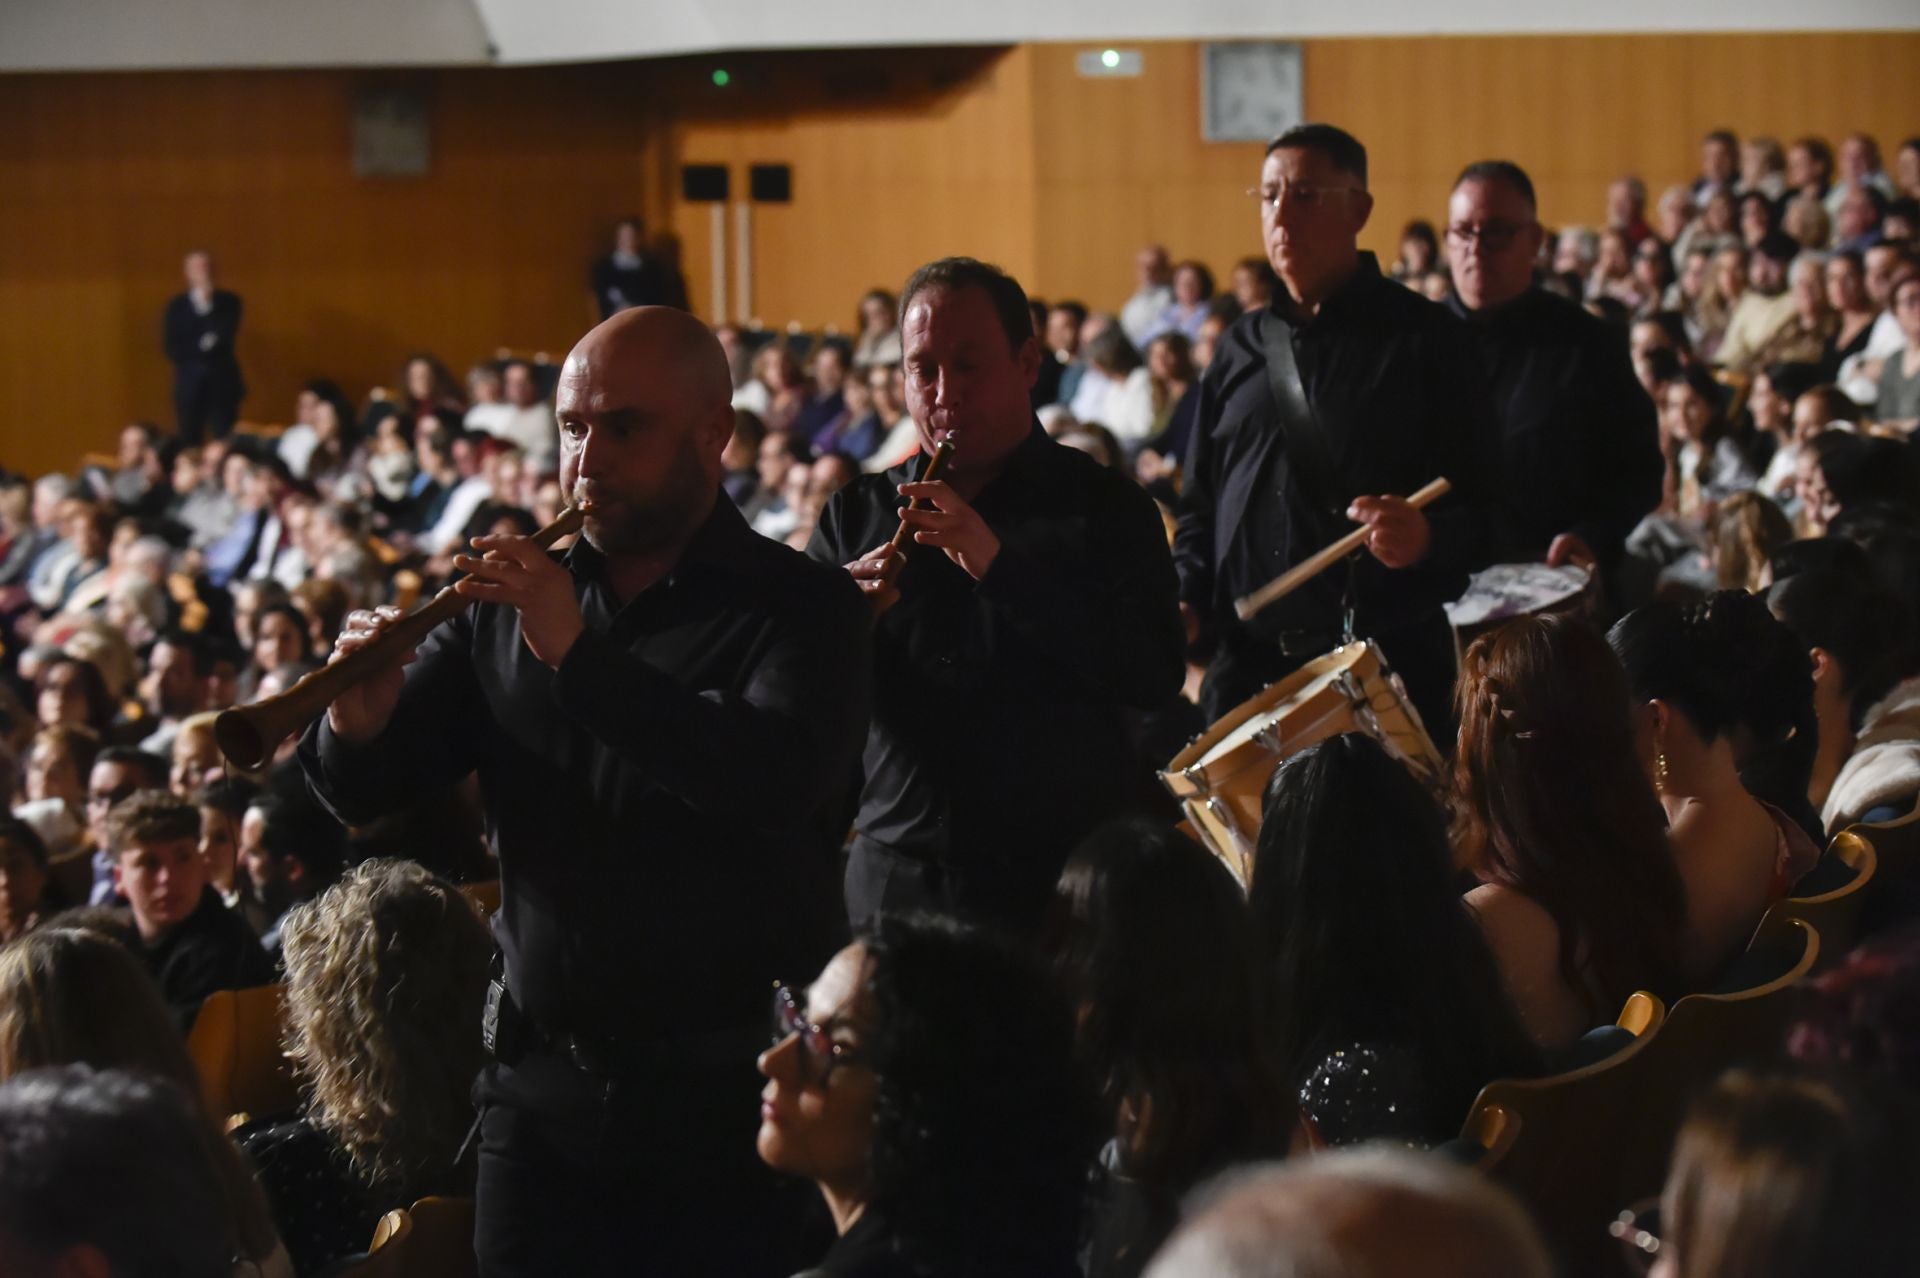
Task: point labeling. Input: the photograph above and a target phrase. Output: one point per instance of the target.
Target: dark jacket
(1580, 440)
(668, 805)
(213, 949)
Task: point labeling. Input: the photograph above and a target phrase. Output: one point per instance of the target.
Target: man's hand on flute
(516, 572)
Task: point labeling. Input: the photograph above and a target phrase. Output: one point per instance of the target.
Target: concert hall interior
(1075, 640)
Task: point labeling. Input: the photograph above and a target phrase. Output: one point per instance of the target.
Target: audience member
(386, 974)
(1898, 404)
(1151, 940)
(633, 274)
(290, 850)
(1388, 1010)
(192, 943)
(71, 996)
(925, 1083)
(879, 329)
(1776, 1175)
(1153, 273)
(1372, 1213)
(1866, 704)
(523, 418)
(1579, 896)
(1736, 855)
(73, 1139)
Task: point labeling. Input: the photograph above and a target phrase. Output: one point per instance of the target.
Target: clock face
(1249, 90)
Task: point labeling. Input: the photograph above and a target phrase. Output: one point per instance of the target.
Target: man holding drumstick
(666, 722)
(1323, 410)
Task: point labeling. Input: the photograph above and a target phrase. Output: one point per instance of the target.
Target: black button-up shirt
(669, 804)
(1400, 396)
(1000, 731)
(1581, 441)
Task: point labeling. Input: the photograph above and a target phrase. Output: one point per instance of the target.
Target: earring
(1659, 769)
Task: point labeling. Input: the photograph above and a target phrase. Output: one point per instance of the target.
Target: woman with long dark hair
(1151, 941)
(925, 1083)
(1388, 1012)
(1578, 895)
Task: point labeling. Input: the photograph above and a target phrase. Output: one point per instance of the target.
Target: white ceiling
(74, 35)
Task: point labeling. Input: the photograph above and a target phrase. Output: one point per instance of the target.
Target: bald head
(1371, 1213)
(663, 342)
(644, 404)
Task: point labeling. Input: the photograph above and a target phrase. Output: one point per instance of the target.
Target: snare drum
(1221, 777)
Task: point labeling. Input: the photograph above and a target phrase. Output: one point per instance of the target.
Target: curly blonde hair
(386, 973)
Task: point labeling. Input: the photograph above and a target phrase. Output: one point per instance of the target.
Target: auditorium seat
(1569, 1144)
(1894, 900)
(1832, 895)
(236, 1045)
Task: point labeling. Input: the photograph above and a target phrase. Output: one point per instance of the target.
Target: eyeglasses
(1303, 195)
(1492, 236)
(1637, 1229)
(820, 1053)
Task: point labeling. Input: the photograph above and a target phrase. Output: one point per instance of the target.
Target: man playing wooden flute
(1031, 610)
(666, 721)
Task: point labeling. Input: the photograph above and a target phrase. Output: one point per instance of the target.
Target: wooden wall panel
(1121, 161)
(105, 180)
(943, 165)
(898, 155)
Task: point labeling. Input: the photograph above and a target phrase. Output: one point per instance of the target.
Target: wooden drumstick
(942, 453)
(1301, 573)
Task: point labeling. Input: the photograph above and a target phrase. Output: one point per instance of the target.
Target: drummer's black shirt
(1401, 398)
(1001, 732)
(1580, 438)
(669, 804)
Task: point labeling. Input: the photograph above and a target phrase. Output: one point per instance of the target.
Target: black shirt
(1000, 728)
(669, 804)
(194, 340)
(1580, 438)
(212, 949)
(1400, 396)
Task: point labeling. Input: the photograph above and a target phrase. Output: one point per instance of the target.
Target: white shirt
(1883, 340)
(900, 443)
(461, 504)
(531, 429)
(1130, 407)
(1142, 310)
(1090, 397)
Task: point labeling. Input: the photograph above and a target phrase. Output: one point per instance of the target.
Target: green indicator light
(721, 79)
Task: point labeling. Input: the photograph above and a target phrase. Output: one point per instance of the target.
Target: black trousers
(1421, 654)
(654, 1173)
(205, 401)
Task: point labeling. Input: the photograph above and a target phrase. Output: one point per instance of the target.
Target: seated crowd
(1145, 1086)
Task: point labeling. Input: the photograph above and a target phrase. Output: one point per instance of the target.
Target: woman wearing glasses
(924, 1082)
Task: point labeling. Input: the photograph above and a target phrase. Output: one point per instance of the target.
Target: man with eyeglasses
(1323, 410)
(1580, 438)
(117, 773)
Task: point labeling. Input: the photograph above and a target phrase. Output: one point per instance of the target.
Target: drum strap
(1308, 454)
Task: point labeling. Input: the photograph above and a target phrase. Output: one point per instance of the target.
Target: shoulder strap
(1306, 446)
